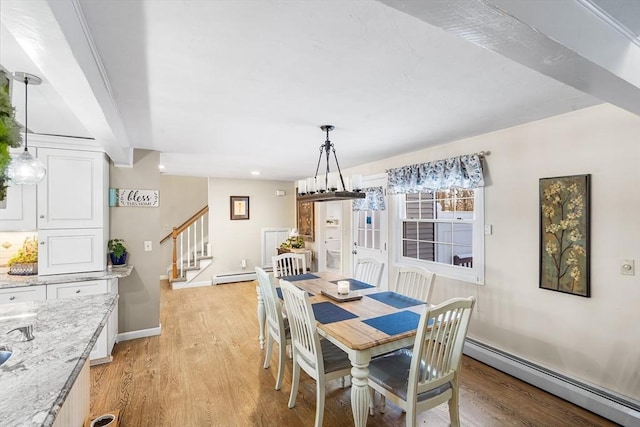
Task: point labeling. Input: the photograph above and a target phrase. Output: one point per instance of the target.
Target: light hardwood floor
(206, 370)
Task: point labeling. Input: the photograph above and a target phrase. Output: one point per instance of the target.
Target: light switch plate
(147, 245)
(488, 229)
(628, 267)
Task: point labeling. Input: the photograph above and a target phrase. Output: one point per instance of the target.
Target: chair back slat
(304, 338)
(438, 346)
(414, 282)
(369, 270)
(272, 304)
(289, 264)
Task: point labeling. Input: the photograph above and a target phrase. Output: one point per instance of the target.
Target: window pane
(410, 248)
(443, 253)
(360, 237)
(361, 218)
(369, 239)
(463, 256)
(410, 230)
(463, 234)
(412, 197)
(413, 211)
(427, 210)
(375, 220)
(443, 232)
(376, 239)
(426, 231)
(425, 251)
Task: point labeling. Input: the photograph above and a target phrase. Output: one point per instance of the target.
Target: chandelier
(331, 185)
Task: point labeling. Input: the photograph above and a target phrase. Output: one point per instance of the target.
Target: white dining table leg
(261, 316)
(359, 386)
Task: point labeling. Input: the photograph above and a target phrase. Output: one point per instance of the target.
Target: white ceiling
(222, 88)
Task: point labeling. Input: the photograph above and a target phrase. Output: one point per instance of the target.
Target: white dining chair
(289, 264)
(369, 270)
(277, 326)
(320, 359)
(414, 282)
(428, 375)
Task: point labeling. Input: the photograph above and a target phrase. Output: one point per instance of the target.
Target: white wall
(594, 339)
(232, 241)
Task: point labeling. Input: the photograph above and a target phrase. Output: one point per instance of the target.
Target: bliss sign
(143, 198)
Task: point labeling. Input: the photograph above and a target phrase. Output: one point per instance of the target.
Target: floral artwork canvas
(564, 234)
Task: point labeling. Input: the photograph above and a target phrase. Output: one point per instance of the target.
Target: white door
(369, 230)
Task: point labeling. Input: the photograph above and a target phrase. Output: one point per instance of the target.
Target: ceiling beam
(563, 56)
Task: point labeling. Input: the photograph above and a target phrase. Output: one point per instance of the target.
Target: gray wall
(139, 293)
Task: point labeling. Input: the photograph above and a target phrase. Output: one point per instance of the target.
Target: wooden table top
(354, 333)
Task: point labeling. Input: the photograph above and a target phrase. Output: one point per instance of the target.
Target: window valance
(373, 202)
(455, 172)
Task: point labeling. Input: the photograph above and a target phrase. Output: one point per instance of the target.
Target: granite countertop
(10, 281)
(37, 378)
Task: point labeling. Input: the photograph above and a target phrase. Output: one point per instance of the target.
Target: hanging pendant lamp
(328, 190)
(25, 169)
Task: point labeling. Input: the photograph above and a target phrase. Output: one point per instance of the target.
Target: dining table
(377, 322)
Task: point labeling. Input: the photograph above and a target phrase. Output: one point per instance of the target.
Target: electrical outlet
(627, 267)
(488, 229)
(147, 246)
(243, 263)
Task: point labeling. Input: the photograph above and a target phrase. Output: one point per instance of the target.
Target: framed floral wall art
(564, 234)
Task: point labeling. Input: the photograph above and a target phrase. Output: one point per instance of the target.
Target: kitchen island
(10, 281)
(45, 382)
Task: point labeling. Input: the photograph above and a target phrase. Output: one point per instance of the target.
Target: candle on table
(343, 287)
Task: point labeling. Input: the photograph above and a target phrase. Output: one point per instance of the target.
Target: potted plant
(9, 130)
(117, 252)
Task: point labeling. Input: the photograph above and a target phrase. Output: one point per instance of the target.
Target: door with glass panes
(370, 230)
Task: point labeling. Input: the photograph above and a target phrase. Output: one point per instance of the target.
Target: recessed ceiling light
(255, 173)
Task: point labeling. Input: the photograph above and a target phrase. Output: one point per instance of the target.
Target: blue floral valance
(373, 202)
(455, 172)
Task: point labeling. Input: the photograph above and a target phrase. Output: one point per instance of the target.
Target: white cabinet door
(74, 192)
(23, 294)
(71, 250)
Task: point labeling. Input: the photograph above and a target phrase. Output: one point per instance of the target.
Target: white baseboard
(613, 406)
(234, 277)
(141, 333)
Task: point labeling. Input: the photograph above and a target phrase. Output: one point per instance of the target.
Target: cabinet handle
(12, 298)
(78, 291)
(42, 242)
(42, 216)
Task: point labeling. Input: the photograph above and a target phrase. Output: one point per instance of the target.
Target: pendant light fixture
(25, 169)
(327, 187)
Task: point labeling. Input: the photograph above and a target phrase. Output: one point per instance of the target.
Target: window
(444, 229)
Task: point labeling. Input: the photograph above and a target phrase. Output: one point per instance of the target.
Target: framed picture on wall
(239, 207)
(565, 234)
(305, 221)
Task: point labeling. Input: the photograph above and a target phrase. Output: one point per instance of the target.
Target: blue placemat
(395, 300)
(297, 277)
(327, 312)
(396, 323)
(355, 285)
(279, 292)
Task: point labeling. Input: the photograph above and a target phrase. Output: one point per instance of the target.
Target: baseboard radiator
(607, 404)
(233, 277)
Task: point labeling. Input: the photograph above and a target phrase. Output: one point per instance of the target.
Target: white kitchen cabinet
(71, 250)
(102, 350)
(19, 214)
(23, 294)
(74, 193)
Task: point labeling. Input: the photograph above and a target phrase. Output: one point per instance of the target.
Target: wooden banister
(186, 224)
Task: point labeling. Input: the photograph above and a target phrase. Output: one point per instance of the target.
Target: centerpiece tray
(334, 295)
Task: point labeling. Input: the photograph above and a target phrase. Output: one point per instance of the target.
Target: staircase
(191, 251)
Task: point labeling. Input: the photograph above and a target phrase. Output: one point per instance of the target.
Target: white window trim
(465, 274)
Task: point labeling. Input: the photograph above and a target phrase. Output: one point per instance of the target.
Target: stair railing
(192, 230)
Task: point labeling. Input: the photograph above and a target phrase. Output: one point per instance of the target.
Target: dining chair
(414, 282)
(289, 264)
(320, 359)
(369, 270)
(277, 326)
(428, 375)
